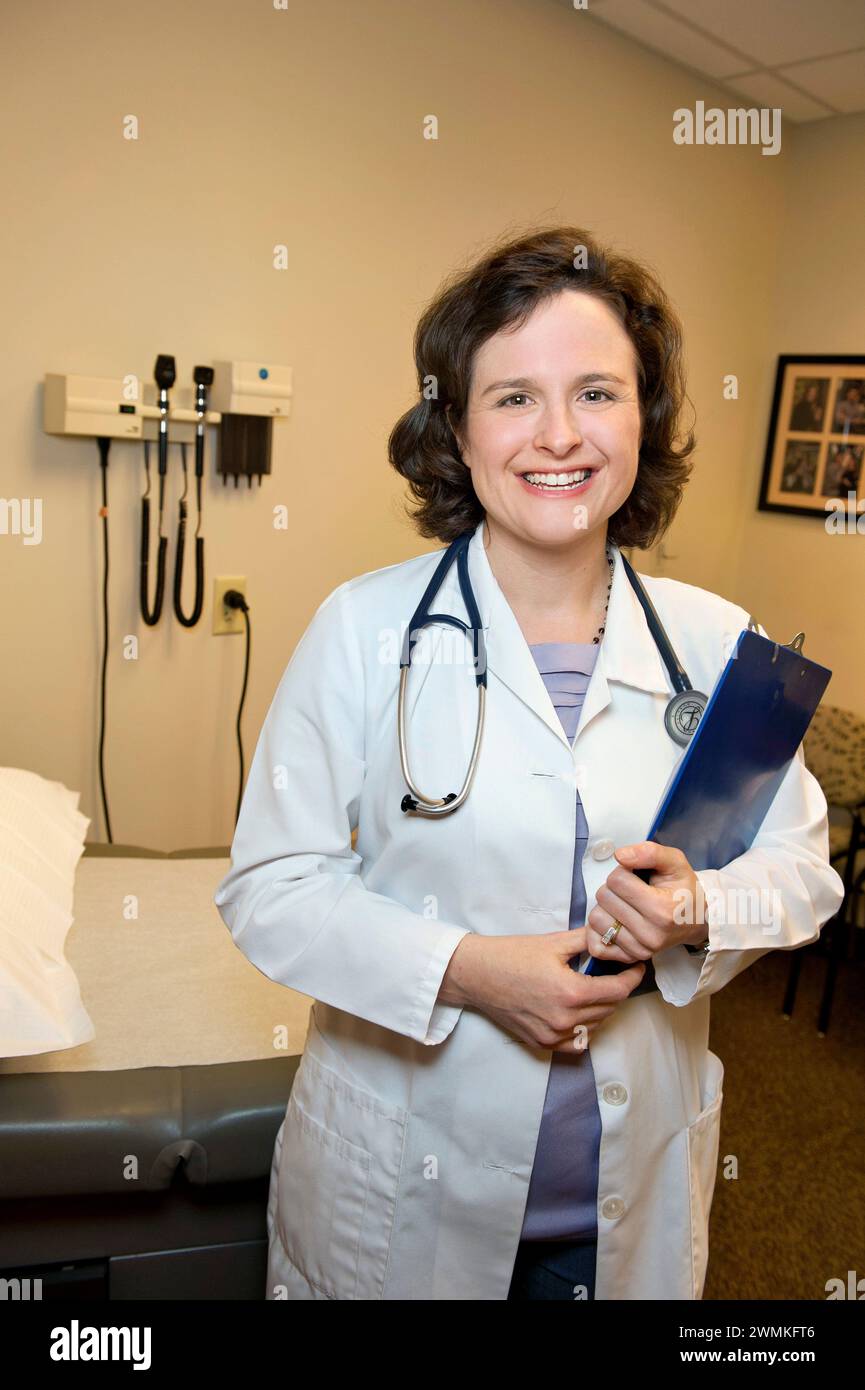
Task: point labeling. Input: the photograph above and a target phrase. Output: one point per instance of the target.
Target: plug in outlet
(227, 620)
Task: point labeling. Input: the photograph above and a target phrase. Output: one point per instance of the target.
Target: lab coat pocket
(338, 1177)
(703, 1143)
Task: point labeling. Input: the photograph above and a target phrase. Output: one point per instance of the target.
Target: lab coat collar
(627, 654)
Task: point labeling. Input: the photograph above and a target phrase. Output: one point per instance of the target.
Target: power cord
(104, 447)
(232, 598)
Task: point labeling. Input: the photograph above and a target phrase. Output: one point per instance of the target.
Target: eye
(599, 394)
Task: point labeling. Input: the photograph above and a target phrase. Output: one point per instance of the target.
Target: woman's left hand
(669, 910)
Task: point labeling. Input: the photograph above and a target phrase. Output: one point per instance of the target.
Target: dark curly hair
(500, 291)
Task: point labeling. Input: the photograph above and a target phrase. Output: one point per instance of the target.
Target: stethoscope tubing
(458, 549)
(679, 726)
(676, 671)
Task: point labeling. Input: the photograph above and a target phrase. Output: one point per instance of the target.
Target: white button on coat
(402, 1165)
(603, 849)
(614, 1094)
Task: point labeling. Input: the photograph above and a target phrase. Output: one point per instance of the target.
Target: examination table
(137, 1164)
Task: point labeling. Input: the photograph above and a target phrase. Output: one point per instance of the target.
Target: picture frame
(815, 451)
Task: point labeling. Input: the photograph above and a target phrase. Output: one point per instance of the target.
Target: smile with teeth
(553, 482)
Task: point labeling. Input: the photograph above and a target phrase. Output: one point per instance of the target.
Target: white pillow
(41, 840)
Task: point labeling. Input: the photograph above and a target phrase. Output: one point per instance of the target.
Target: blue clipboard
(722, 787)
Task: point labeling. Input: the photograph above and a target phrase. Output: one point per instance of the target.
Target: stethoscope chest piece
(683, 714)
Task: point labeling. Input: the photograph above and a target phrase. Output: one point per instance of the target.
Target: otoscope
(164, 374)
(203, 377)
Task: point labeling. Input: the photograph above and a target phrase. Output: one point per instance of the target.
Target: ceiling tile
(838, 81)
(765, 89)
(777, 31)
(807, 58)
(666, 34)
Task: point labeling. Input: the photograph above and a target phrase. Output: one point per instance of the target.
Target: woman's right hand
(525, 984)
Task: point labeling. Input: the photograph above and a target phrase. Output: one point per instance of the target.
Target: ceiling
(806, 57)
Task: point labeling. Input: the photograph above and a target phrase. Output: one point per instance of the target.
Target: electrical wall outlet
(227, 620)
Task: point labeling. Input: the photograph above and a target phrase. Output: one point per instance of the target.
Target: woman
(449, 1133)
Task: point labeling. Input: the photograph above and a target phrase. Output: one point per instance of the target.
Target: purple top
(563, 1191)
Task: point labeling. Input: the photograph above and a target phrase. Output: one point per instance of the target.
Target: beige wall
(795, 574)
(261, 127)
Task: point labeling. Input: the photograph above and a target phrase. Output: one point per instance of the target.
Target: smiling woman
(551, 388)
(473, 1117)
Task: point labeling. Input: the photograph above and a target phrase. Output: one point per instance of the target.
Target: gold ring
(612, 932)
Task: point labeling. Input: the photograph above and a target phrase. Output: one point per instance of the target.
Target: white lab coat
(402, 1166)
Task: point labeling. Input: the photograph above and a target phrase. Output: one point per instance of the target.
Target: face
(558, 397)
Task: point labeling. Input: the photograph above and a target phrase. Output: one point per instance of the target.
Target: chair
(834, 749)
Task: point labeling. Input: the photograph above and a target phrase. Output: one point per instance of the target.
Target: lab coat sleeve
(294, 899)
(775, 896)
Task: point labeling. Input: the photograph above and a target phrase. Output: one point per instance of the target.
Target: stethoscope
(681, 717)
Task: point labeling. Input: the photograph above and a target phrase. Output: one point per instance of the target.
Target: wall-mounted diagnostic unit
(240, 399)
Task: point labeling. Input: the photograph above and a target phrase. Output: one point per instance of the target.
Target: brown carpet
(793, 1117)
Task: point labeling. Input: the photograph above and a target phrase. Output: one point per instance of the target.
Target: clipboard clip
(795, 645)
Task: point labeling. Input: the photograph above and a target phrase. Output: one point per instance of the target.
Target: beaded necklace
(611, 563)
